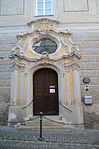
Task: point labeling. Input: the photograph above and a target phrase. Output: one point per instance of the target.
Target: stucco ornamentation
(64, 60)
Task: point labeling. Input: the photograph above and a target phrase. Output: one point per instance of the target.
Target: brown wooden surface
(44, 101)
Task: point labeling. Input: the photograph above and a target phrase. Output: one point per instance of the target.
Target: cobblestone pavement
(12, 138)
(43, 145)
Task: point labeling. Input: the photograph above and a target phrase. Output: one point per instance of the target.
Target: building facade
(49, 58)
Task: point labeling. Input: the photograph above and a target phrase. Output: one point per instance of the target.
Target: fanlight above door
(46, 45)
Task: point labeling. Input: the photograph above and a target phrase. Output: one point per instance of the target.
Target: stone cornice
(75, 54)
(44, 32)
(43, 20)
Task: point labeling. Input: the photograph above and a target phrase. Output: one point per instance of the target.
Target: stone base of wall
(4, 105)
(91, 117)
(17, 114)
(6, 44)
(96, 125)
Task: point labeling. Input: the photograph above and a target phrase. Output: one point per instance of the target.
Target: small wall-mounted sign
(52, 90)
(86, 87)
(52, 86)
(88, 100)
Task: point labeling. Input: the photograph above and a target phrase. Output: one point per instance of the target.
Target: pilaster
(65, 88)
(67, 68)
(21, 86)
(13, 98)
(24, 87)
(76, 84)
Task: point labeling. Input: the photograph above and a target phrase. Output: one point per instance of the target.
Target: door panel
(45, 92)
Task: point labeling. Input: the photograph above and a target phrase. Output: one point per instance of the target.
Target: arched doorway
(45, 92)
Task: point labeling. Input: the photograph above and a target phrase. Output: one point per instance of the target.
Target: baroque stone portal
(64, 60)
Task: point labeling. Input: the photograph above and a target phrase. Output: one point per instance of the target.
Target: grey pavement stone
(12, 138)
(42, 145)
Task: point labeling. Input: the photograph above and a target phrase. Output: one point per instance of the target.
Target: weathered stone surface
(96, 44)
(87, 73)
(96, 125)
(8, 83)
(92, 66)
(4, 95)
(92, 51)
(4, 104)
(2, 68)
(97, 109)
(87, 58)
(8, 68)
(82, 66)
(85, 44)
(94, 81)
(2, 82)
(97, 73)
(90, 116)
(93, 37)
(9, 47)
(81, 51)
(5, 61)
(97, 58)
(3, 54)
(89, 108)
(3, 41)
(13, 41)
(5, 76)
(76, 38)
(4, 107)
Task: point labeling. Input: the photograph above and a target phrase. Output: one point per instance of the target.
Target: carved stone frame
(66, 65)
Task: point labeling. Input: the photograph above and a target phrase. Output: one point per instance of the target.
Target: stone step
(50, 117)
(45, 128)
(46, 122)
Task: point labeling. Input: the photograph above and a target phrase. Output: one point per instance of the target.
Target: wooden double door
(45, 92)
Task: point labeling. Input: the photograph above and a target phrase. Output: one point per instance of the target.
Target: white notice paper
(52, 90)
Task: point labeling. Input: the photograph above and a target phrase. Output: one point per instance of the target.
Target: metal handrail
(69, 123)
(27, 105)
(64, 106)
